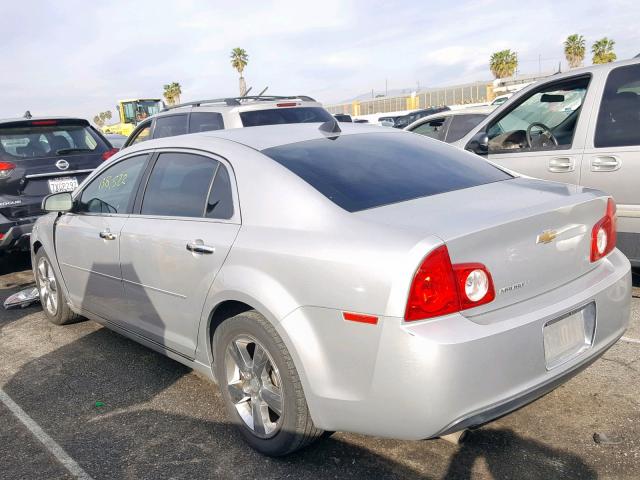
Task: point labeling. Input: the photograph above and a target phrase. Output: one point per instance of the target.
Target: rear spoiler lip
(31, 121)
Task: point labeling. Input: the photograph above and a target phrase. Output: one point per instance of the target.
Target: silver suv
(581, 127)
(223, 113)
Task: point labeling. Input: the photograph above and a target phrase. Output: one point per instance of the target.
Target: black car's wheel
(54, 303)
(260, 386)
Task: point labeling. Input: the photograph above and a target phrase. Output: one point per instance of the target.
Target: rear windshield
(46, 141)
(277, 116)
(364, 171)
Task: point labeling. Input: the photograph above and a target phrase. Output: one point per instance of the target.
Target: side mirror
(57, 202)
(479, 143)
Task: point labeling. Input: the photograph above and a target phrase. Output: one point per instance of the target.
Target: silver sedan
(363, 280)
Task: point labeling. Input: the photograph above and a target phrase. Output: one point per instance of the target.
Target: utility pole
(386, 87)
(539, 63)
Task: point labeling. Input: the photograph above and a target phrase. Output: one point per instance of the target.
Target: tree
(239, 60)
(574, 50)
(603, 51)
(172, 92)
(503, 63)
(101, 118)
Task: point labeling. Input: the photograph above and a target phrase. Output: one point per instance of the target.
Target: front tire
(260, 386)
(54, 303)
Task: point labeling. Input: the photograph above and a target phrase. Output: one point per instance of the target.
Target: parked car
(367, 280)
(580, 127)
(39, 156)
(223, 113)
(361, 120)
(408, 119)
(116, 140)
(389, 120)
(343, 117)
(448, 126)
(499, 100)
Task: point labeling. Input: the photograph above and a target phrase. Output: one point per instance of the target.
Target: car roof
(36, 119)
(260, 138)
(590, 68)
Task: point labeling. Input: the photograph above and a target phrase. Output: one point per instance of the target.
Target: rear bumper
(425, 379)
(16, 234)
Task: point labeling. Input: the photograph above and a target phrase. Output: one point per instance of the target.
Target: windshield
(278, 116)
(138, 110)
(363, 171)
(46, 141)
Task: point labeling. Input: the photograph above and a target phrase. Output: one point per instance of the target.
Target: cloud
(74, 58)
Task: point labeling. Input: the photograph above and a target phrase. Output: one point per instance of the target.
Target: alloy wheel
(48, 287)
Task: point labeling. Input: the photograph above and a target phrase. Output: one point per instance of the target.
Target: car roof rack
(235, 101)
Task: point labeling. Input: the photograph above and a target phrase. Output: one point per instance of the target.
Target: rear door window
(205, 121)
(619, 118)
(284, 115)
(220, 202)
(36, 141)
(370, 170)
(179, 185)
(112, 191)
(170, 126)
(461, 125)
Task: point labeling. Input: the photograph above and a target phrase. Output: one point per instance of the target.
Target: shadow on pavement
(184, 433)
(507, 455)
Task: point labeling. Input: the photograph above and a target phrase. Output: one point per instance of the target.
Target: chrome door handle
(562, 164)
(198, 246)
(605, 164)
(107, 235)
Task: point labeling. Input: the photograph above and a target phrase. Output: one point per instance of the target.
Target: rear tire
(54, 303)
(260, 386)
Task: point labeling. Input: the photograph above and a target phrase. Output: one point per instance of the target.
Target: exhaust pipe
(455, 438)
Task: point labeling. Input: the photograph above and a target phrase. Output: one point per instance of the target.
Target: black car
(343, 117)
(408, 119)
(39, 156)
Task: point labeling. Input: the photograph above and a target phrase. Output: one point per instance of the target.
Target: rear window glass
(278, 116)
(364, 171)
(46, 141)
(205, 121)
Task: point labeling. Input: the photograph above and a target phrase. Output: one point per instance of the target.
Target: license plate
(65, 184)
(568, 336)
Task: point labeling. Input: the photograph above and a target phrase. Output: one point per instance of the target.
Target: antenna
(330, 126)
(27, 115)
(262, 92)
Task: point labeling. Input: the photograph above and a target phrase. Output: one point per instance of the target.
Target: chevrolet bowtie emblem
(547, 236)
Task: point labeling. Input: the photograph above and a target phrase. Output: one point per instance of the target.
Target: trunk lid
(532, 235)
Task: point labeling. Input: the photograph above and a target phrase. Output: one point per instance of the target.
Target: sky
(78, 58)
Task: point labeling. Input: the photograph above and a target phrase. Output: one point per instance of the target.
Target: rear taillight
(41, 123)
(440, 288)
(109, 153)
(603, 234)
(6, 168)
(286, 104)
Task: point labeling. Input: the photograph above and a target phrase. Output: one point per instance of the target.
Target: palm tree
(574, 49)
(172, 92)
(603, 51)
(239, 60)
(503, 63)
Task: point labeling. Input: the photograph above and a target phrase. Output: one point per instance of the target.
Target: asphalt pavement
(85, 402)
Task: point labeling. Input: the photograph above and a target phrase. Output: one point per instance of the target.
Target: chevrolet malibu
(362, 280)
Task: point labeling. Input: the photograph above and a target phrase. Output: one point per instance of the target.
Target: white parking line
(50, 444)
(630, 340)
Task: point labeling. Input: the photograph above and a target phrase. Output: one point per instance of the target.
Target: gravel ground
(156, 419)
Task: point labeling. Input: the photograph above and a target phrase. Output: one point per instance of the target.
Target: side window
(220, 202)
(619, 118)
(545, 120)
(433, 128)
(113, 190)
(179, 185)
(141, 135)
(461, 125)
(170, 126)
(205, 121)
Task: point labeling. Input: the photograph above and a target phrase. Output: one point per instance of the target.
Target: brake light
(109, 153)
(287, 104)
(44, 122)
(440, 288)
(6, 168)
(603, 234)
